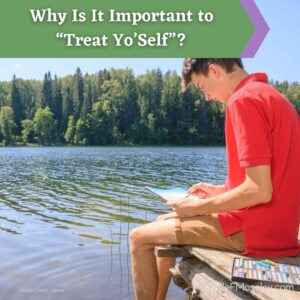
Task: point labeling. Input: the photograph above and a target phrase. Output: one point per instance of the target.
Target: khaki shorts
(206, 231)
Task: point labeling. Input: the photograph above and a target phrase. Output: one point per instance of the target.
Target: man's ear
(214, 70)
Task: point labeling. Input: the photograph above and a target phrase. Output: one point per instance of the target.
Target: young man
(257, 211)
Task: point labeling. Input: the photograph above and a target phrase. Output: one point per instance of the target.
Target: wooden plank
(210, 284)
(171, 251)
(178, 279)
(212, 257)
(221, 262)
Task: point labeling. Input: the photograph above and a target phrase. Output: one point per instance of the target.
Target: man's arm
(256, 189)
(206, 190)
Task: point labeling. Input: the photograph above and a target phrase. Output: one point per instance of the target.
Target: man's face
(211, 85)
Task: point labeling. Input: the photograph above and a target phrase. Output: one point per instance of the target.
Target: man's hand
(255, 190)
(206, 190)
(186, 207)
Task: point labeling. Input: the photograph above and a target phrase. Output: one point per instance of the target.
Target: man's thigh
(202, 231)
(156, 233)
(206, 231)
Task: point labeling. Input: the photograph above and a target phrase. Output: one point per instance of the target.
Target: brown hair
(200, 66)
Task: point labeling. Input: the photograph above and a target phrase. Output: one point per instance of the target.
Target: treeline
(113, 107)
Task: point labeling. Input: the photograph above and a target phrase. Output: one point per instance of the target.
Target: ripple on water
(65, 214)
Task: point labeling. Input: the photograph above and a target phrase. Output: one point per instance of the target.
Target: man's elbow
(259, 195)
(264, 195)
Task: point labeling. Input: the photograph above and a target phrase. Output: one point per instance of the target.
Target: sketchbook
(169, 194)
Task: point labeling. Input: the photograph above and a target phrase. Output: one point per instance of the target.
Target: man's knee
(136, 236)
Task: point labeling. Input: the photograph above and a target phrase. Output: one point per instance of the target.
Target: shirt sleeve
(252, 132)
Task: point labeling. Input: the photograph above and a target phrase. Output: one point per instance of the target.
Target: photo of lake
(66, 213)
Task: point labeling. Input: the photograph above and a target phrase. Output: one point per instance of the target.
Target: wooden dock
(207, 273)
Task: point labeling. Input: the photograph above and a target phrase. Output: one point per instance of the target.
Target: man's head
(214, 76)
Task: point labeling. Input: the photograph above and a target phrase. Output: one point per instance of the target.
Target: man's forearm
(256, 189)
(221, 189)
(237, 198)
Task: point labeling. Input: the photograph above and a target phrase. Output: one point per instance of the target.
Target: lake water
(65, 214)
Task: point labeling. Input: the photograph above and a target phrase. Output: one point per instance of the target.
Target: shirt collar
(260, 77)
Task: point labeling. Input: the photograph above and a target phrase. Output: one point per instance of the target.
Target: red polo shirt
(263, 128)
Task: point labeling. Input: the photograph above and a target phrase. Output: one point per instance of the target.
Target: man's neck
(234, 79)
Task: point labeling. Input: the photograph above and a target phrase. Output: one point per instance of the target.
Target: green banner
(156, 28)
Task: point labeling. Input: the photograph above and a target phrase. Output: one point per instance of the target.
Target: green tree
(44, 126)
(116, 107)
(121, 91)
(78, 91)
(102, 121)
(28, 131)
(71, 131)
(87, 100)
(29, 92)
(57, 99)
(111, 101)
(7, 124)
(5, 93)
(57, 106)
(67, 108)
(81, 136)
(47, 94)
(170, 110)
(16, 105)
(150, 87)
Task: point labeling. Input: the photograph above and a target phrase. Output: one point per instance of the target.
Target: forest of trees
(113, 107)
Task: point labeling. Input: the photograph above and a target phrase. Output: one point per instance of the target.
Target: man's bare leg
(164, 275)
(143, 239)
(163, 266)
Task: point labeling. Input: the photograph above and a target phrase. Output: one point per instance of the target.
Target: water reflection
(65, 214)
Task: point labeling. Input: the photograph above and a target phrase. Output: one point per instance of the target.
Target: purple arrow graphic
(260, 25)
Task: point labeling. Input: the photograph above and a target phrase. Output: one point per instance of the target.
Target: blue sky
(278, 56)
